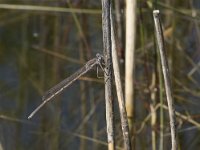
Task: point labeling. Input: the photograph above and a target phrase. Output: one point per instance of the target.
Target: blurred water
(26, 73)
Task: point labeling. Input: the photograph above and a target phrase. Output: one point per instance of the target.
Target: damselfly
(57, 89)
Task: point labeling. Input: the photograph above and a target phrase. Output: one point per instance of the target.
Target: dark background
(41, 48)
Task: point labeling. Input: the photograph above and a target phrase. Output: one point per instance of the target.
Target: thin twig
(55, 54)
(178, 114)
(160, 42)
(184, 117)
(120, 95)
(153, 111)
(94, 140)
(147, 118)
(49, 9)
(14, 119)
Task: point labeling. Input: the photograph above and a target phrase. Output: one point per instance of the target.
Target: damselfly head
(100, 58)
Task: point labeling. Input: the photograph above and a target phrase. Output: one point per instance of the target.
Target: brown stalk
(120, 95)
(108, 72)
(167, 82)
(130, 60)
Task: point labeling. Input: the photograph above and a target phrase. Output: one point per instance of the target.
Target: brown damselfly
(58, 89)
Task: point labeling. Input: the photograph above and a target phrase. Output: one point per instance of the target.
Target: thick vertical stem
(129, 61)
(120, 96)
(108, 72)
(167, 82)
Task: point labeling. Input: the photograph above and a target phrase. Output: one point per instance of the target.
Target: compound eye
(98, 55)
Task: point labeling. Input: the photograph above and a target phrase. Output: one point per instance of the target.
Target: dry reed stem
(161, 48)
(120, 96)
(108, 72)
(130, 60)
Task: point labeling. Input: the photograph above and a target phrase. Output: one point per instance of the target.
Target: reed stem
(167, 82)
